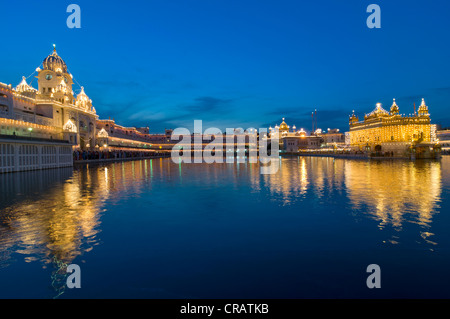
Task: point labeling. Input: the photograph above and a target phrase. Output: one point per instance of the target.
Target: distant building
(293, 140)
(300, 142)
(116, 137)
(443, 138)
(390, 133)
(333, 138)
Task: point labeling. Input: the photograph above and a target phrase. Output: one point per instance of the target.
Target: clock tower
(54, 80)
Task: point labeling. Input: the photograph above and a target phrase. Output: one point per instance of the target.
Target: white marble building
(52, 111)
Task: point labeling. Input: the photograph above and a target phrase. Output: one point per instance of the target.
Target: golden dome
(284, 126)
(423, 109)
(378, 112)
(394, 108)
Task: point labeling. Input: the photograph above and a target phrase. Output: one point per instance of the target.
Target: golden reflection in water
(48, 213)
(290, 181)
(391, 190)
(327, 173)
(299, 175)
(53, 216)
(61, 222)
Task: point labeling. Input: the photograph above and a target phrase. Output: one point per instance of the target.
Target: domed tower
(423, 109)
(394, 109)
(379, 111)
(54, 80)
(284, 128)
(83, 101)
(353, 118)
(26, 89)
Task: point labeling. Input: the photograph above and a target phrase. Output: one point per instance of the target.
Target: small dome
(83, 100)
(353, 118)
(423, 109)
(394, 108)
(54, 62)
(379, 111)
(24, 86)
(423, 105)
(284, 126)
(300, 132)
(82, 96)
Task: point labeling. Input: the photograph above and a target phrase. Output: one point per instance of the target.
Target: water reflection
(301, 176)
(291, 181)
(391, 192)
(54, 216)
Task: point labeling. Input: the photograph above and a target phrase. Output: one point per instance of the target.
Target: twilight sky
(238, 63)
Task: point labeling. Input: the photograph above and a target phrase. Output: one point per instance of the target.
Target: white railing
(24, 156)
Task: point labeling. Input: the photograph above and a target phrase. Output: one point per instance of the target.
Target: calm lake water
(155, 229)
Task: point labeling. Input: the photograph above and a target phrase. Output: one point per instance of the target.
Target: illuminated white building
(333, 138)
(295, 140)
(443, 138)
(52, 111)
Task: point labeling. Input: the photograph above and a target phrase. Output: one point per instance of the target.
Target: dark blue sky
(238, 63)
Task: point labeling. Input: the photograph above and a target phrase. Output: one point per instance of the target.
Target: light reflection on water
(391, 192)
(396, 192)
(55, 216)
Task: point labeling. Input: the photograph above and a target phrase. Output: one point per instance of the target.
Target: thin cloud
(207, 104)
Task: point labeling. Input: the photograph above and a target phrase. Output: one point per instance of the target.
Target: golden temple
(393, 134)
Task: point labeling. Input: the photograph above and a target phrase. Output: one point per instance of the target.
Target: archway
(82, 143)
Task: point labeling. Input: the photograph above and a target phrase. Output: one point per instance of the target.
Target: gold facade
(382, 130)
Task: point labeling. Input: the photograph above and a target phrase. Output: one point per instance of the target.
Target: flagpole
(315, 116)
